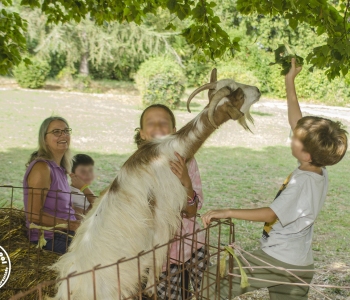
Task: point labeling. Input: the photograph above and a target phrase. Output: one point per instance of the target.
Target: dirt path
(333, 112)
(106, 122)
(271, 124)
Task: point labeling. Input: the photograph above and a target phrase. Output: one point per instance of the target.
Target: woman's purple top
(58, 200)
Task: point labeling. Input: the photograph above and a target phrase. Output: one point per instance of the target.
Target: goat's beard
(243, 121)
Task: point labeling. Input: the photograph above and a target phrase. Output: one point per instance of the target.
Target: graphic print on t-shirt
(268, 226)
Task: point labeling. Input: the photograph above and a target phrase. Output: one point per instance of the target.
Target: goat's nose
(258, 91)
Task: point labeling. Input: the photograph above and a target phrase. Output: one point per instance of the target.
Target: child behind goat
(157, 121)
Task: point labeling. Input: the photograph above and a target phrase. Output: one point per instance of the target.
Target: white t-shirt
(79, 199)
(290, 238)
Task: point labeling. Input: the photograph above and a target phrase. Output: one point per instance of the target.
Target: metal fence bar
(33, 260)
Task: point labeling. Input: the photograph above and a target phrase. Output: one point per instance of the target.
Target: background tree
(203, 31)
(83, 44)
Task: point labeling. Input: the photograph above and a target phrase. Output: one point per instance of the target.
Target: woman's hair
(44, 152)
(137, 137)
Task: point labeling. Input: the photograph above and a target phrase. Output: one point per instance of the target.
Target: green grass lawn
(236, 177)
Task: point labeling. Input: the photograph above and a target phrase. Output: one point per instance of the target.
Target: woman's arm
(79, 212)
(179, 168)
(191, 209)
(196, 181)
(40, 180)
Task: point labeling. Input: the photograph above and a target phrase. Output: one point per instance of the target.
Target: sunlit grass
(231, 177)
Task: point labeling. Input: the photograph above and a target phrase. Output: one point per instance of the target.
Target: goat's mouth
(247, 116)
(215, 96)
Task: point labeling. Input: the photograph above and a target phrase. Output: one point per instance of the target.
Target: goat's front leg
(157, 259)
(154, 273)
(151, 289)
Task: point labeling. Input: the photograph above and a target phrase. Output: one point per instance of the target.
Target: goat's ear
(234, 113)
(238, 94)
(237, 98)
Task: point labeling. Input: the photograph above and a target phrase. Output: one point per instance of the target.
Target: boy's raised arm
(294, 112)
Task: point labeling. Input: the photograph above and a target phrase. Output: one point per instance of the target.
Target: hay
(28, 263)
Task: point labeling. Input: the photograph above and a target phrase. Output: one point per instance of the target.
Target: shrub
(65, 76)
(160, 80)
(82, 82)
(197, 73)
(237, 72)
(313, 86)
(164, 89)
(57, 62)
(32, 76)
(121, 72)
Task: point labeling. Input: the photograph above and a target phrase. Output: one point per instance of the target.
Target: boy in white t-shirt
(82, 176)
(287, 235)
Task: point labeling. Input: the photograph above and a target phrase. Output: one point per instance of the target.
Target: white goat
(142, 206)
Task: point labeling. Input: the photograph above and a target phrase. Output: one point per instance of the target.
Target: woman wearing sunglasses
(47, 198)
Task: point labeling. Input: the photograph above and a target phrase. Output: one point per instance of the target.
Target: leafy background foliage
(160, 80)
(33, 75)
(110, 39)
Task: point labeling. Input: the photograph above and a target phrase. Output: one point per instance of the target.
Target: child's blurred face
(298, 150)
(85, 173)
(156, 123)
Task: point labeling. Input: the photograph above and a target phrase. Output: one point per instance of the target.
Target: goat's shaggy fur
(142, 207)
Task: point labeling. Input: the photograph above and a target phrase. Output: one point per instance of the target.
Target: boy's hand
(294, 70)
(214, 214)
(179, 168)
(76, 181)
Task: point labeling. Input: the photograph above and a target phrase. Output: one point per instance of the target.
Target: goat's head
(233, 98)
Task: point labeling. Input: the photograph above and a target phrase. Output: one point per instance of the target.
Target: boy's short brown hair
(82, 159)
(325, 140)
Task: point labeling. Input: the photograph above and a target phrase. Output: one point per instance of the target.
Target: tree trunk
(84, 64)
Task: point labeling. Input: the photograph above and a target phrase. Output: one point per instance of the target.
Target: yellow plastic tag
(244, 277)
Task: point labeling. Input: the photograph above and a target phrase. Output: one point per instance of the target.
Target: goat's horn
(211, 85)
(223, 92)
(213, 78)
(214, 75)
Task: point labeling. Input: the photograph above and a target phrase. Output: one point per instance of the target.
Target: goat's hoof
(148, 293)
(149, 289)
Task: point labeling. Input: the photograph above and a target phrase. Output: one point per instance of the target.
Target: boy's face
(298, 150)
(85, 173)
